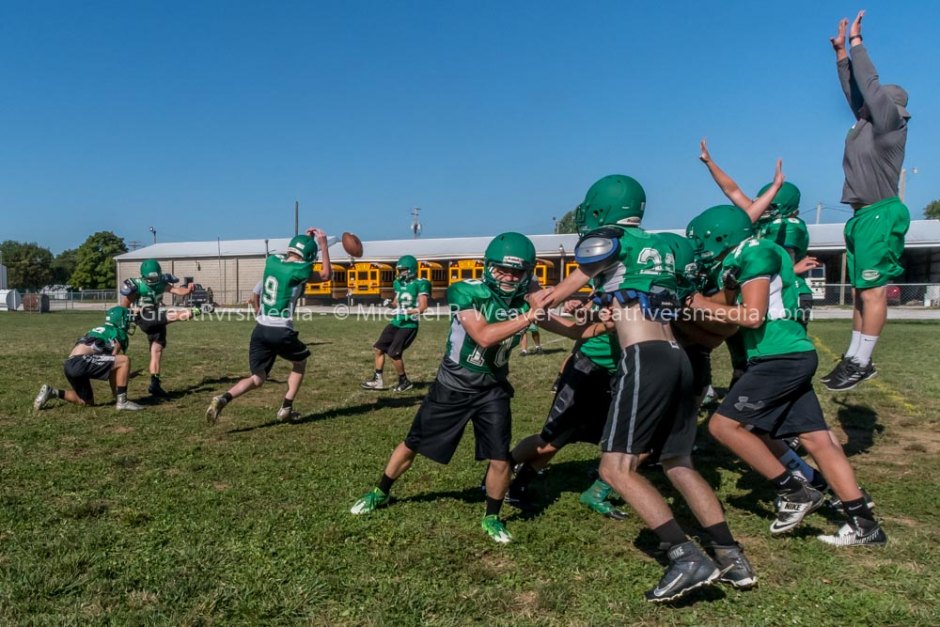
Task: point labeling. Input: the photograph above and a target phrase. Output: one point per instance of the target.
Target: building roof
(822, 237)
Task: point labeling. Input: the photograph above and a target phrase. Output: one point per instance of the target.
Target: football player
(874, 235)
(274, 335)
(146, 291)
(652, 409)
(410, 301)
(471, 384)
(524, 342)
(775, 394)
(99, 354)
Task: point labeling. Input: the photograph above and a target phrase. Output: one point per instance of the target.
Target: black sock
(859, 508)
(493, 506)
(120, 389)
(402, 378)
(385, 483)
(288, 403)
(524, 476)
(671, 533)
(227, 397)
(719, 534)
(378, 373)
(58, 393)
(787, 482)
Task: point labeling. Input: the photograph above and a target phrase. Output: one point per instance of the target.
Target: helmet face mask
(716, 231)
(151, 272)
(407, 268)
(304, 247)
(508, 264)
(615, 200)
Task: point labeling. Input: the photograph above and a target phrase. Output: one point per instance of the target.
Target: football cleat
(689, 568)
(375, 383)
(735, 569)
(595, 498)
(520, 498)
(538, 350)
(851, 374)
(125, 405)
(832, 373)
(523, 352)
(286, 414)
(154, 389)
(369, 502)
(215, 409)
(496, 529)
(44, 393)
(403, 386)
(793, 507)
(857, 532)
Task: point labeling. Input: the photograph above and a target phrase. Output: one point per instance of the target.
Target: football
(352, 244)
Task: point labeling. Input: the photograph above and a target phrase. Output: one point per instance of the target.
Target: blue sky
(209, 119)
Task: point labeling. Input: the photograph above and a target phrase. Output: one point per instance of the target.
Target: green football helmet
(509, 250)
(791, 234)
(717, 230)
(118, 317)
(151, 272)
(785, 203)
(407, 268)
(688, 272)
(613, 200)
(304, 247)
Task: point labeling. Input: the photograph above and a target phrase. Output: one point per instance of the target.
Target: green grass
(155, 518)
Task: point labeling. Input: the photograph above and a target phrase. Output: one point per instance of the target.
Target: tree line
(90, 266)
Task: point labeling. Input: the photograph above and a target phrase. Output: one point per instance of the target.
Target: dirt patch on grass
(123, 429)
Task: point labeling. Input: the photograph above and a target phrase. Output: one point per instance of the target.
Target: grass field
(155, 518)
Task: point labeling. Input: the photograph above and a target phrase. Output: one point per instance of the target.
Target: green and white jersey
(279, 289)
(148, 296)
(406, 295)
(602, 350)
(105, 339)
(642, 261)
(780, 332)
(792, 234)
(466, 366)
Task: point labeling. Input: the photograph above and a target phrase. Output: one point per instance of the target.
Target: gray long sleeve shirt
(874, 147)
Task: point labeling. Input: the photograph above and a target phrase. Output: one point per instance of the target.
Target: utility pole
(153, 232)
(296, 217)
(819, 208)
(416, 222)
(902, 187)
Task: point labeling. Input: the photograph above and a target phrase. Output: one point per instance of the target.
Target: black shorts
(81, 369)
(700, 358)
(440, 421)
(775, 395)
(269, 343)
(153, 322)
(582, 402)
(394, 340)
(652, 408)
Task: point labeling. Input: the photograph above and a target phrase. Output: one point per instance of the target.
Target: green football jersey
(644, 261)
(149, 295)
(282, 284)
(105, 339)
(602, 350)
(790, 233)
(780, 333)
(407, 294)
(466, 365)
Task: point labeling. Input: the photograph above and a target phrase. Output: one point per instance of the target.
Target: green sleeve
(462, 295)
(758, 260)
(302, 272)
(424, 287)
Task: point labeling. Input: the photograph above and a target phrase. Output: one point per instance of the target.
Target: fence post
(842, 282)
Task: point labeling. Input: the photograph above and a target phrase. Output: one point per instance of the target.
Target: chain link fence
(906, 295)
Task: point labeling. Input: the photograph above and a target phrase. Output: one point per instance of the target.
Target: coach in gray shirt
(874, 236)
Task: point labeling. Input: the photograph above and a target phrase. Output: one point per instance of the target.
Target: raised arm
(326, 268)
(881, 107)
(762, 202)
(728, 187)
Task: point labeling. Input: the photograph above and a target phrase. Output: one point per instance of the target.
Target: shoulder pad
(128, 287)
(600, 245)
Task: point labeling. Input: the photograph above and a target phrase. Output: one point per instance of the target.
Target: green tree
(29, 265)
(566, 223)
(932, 210)
(95, 267)
(63, 266)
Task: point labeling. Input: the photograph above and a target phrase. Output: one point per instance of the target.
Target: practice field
(155, 518)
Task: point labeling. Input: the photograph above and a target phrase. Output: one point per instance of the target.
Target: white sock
(865, 348)
(795, 464)
(853, 345)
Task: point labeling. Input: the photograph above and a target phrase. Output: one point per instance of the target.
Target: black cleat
(735, 569)
(689, 568)
(793, 507)
(156, 391)
(851, 375)
(836, 370)
(857, 532)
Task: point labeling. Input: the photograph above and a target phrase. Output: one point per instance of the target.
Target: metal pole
(296, 217)
(903, 184)
(819, 208)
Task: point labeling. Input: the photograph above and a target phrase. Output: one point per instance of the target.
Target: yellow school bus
(434, 273)
(370, 280)
(465, 269)
(545, 272)
(569, 267)
(335, 288)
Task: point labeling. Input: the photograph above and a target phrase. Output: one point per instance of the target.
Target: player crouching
(99, 354)
(274, 335)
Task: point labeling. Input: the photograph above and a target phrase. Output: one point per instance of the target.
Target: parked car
(201, 297)
(893, 293)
